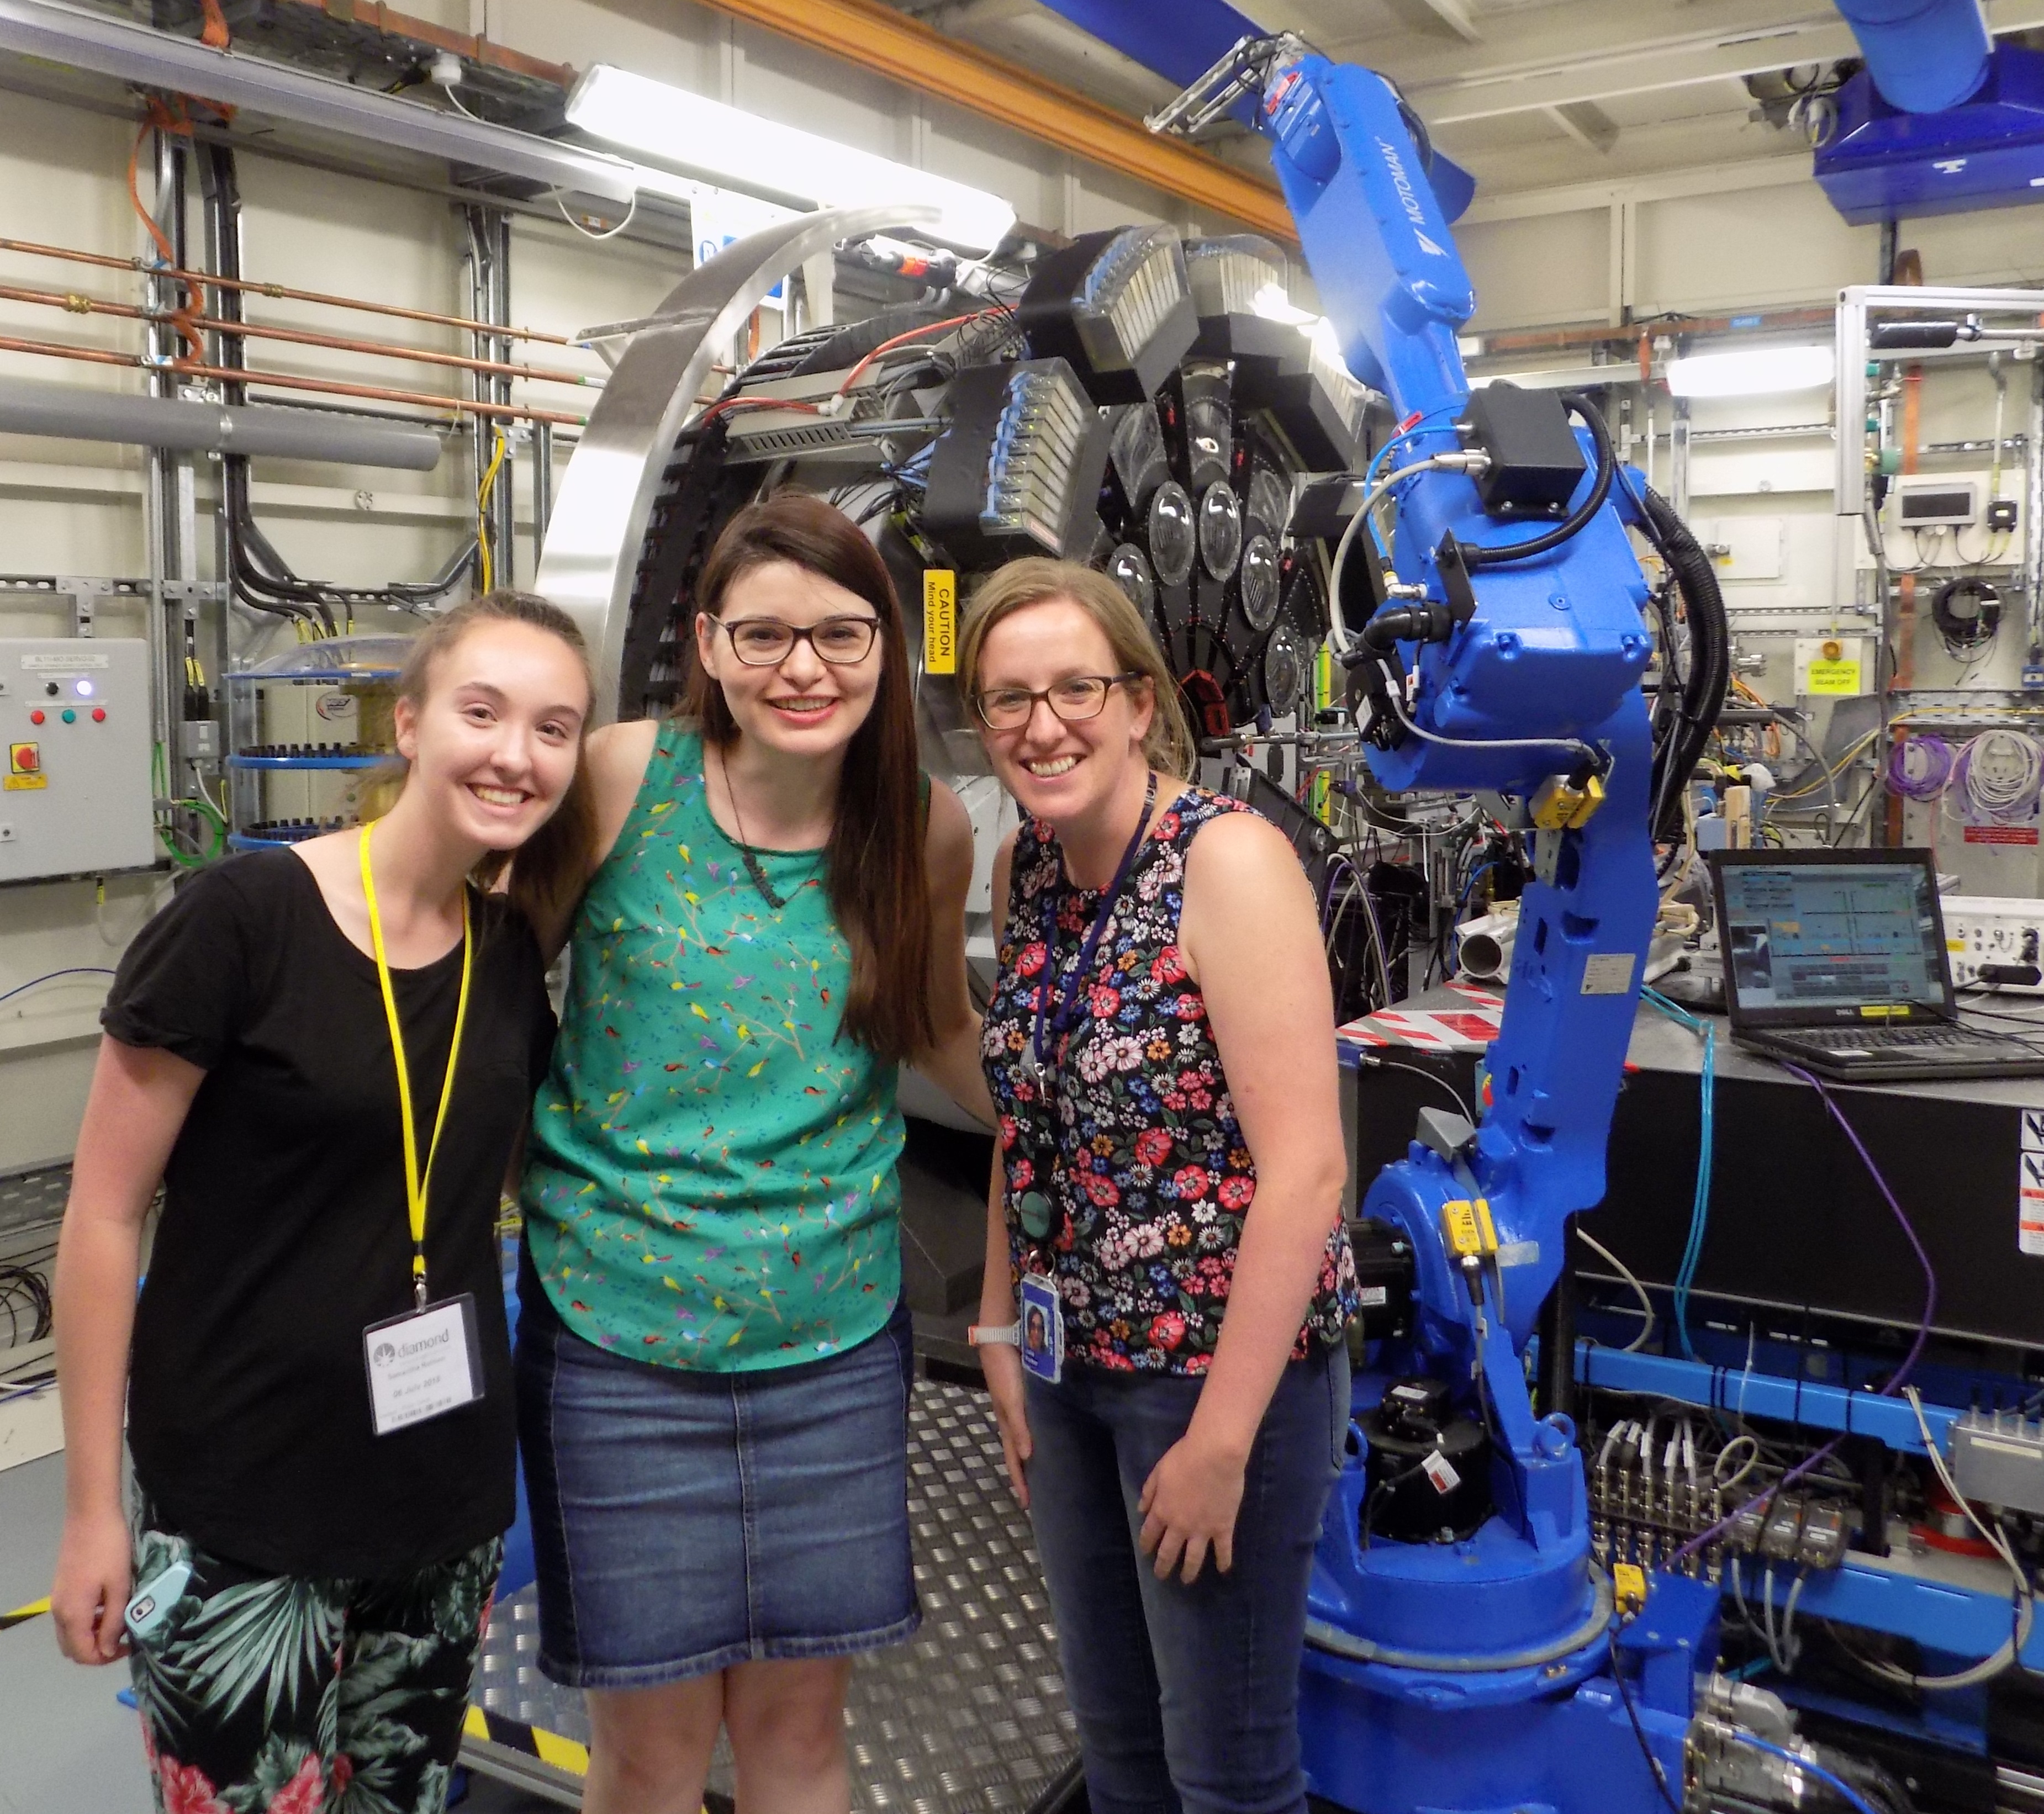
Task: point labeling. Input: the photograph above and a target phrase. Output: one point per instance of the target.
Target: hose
(1680, 739)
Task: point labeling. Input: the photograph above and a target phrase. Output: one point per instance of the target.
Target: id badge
(1043, 1329)
(423, 1363)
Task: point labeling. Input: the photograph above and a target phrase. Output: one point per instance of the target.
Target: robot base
(1554, 1739)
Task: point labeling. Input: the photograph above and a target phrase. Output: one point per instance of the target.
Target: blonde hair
(1168, 744)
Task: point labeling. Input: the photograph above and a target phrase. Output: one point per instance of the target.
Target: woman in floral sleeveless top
(1166, 1199)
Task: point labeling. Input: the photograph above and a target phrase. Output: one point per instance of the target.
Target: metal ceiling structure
(1526, 93)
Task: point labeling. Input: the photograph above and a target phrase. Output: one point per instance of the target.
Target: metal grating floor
(968, 1717)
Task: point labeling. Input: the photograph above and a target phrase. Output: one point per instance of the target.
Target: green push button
(70, 716)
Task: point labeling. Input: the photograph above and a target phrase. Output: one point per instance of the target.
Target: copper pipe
(74, 304)
(278, 291)
(187, 368)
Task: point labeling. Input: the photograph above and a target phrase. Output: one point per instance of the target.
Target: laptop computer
(1834, 960)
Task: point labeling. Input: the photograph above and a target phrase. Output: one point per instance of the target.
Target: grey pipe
(74, 413)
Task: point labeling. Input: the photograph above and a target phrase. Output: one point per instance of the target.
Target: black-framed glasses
(1074, 700)
(766, 642)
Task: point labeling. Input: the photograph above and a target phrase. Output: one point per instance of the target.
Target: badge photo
(1042, 1330)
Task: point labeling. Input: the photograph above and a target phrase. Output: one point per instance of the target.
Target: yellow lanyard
(417, 1182)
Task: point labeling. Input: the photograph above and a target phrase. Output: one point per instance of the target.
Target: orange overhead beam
(877, 37)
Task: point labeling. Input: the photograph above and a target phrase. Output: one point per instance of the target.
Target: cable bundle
(2000, 775)
(1919, 768)
(1699, 1206)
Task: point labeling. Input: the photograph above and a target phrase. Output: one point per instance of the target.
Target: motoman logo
(1407, 199)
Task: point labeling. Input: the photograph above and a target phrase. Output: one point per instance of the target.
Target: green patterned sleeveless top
(710, 1179)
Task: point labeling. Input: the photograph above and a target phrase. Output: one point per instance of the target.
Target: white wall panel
(1533, 272)
(1786, 245)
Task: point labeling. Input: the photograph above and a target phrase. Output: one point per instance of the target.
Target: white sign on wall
(718, 217)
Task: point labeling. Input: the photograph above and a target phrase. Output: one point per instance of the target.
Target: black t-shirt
(284, 1232)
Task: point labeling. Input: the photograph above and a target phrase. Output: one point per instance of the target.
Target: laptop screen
(1813, 938)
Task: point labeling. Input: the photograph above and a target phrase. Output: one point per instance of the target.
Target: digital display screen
(1832, 936)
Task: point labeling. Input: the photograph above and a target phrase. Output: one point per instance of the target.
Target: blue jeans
(1186, 1697)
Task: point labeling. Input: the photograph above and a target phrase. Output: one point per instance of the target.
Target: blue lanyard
(1067, 1014)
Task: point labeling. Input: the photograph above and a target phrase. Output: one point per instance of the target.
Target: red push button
(35, 716)
(99, 714)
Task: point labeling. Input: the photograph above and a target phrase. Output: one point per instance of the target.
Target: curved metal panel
(599, 519)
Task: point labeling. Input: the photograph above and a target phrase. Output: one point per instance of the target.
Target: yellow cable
(482, 512)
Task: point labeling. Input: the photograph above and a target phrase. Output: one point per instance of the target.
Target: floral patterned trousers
(267, 1694)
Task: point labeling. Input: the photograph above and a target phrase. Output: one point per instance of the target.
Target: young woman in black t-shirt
(323, 1475)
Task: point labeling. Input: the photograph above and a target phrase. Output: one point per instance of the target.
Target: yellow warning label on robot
(940, 621)
(1628, 1588)
(1834, 679)
(1467, 1229)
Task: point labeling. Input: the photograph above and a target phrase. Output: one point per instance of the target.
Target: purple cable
(1896, 1379)
(1936, 767)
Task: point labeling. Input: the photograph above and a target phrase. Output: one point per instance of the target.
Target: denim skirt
(684, 1522)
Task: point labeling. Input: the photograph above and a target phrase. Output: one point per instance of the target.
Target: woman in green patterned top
(713, 1360)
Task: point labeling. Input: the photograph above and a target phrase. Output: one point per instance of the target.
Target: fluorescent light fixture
(1751, 371)
(112, 46)
(732, 147)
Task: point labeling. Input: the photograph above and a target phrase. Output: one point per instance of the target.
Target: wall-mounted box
(75, 797)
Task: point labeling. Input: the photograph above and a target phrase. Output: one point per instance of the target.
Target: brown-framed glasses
(766, 642)
(1081, 696)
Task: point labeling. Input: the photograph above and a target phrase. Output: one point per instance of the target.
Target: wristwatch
(987, 1335)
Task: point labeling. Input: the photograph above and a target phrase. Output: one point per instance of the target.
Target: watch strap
(994, 1334)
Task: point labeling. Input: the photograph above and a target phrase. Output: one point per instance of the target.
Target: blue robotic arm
(1505, 656)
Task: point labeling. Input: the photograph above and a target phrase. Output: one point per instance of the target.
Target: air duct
(1924, 56)
(72, 413)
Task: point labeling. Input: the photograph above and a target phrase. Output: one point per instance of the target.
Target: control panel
(1995, 942)
(75, 798)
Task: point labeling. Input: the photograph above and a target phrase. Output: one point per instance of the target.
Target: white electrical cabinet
(77, 799)
(2003, 933)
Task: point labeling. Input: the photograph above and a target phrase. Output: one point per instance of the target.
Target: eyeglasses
(766, 642)
(1083, 696)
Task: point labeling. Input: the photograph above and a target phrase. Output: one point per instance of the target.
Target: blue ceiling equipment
(1180, 41)
(1941, 120)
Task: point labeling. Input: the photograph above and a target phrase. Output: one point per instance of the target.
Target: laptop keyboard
(1845, 1039)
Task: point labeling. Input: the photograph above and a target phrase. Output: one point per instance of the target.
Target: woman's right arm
(139, 1100)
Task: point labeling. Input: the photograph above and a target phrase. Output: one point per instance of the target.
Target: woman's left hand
(1188, 1505)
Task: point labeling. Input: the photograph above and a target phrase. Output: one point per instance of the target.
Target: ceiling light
(741, 149)
(1751, 371)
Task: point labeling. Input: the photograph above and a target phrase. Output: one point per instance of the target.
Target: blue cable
(75, 970)
(1699, 1209)
(1837, 1784)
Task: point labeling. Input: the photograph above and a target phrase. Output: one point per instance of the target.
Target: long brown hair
(554, 863)
(1168, 744)
(874, 862)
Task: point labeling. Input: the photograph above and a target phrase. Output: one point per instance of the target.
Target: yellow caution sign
(940, 621)
(1835, 679)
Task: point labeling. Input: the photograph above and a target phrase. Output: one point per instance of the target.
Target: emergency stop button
(24, 758)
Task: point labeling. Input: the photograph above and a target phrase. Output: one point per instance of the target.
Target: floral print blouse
(1132, 1138)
